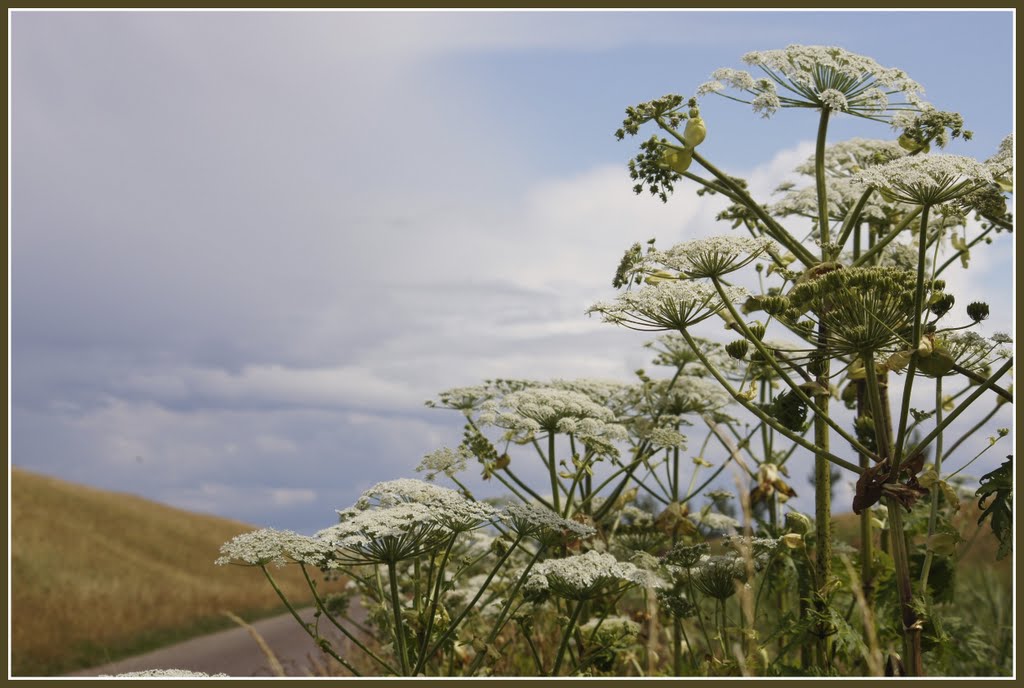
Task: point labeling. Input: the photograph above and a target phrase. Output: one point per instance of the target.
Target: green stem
(975, 377)
(761, 415)
(321, 642)
(868, 256)
(934, 510)
(565, 638)
(915, 340)
(977, 426)
(396, 605)
(348, 634)
(819, 180)
(820, 409)
(901, 566)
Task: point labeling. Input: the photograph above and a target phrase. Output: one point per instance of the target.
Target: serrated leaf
(997, 486)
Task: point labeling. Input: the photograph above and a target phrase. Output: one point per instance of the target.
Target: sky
(246, 247)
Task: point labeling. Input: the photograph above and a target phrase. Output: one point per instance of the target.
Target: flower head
(444, 460)
(280, 547)
(927, 179)
(667, 305)
(714, 256)
(820, 77)
(588, 575)
(531, 520)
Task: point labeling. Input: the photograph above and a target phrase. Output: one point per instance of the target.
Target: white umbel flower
(667, 305)
(814, 76)
(584, 576)
(279, 547)
(927, 179)
(714, 256)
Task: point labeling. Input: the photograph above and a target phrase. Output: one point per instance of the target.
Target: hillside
(99, 575)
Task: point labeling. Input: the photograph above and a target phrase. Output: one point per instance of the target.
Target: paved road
(234, 652)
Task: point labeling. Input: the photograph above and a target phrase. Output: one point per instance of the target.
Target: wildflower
(665, 438)
(715, 521)
(589, 575)
(669, 305)
(842, 195)
(926, 179)
(462, 398)
(446, 507)
(610, 630)
(269, 546)
(444, 460)
(716, 576)
(714, 256)
(530, 520)
(552, 410)
(846, 158)
(863, 309)
(818, 77)
(691, 394)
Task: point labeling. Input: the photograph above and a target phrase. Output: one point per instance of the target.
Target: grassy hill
(99, 575)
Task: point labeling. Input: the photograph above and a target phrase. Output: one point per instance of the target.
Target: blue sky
(246, 247)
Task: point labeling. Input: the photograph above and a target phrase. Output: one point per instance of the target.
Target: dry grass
(98, 575)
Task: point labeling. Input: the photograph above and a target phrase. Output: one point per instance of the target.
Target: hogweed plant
(615, 551)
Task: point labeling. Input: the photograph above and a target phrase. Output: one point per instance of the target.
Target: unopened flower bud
(757, 329)
(797, 522)
(977, 311)
(737, 349)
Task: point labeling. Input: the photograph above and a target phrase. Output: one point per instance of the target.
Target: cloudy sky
(246, 247)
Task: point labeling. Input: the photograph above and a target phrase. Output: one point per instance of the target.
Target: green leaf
(997, 486)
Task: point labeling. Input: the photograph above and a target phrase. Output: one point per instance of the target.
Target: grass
(97, 576)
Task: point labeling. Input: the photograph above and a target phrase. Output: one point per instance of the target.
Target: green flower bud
(676, 160)
(737, 349)
(757, 329)
(798, 523)
(977, 311)
(695, 132)
(942, 304)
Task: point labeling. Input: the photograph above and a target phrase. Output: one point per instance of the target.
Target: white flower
(691, 394)
(583, 576)
(462, 398)
(269, 546)
(926, 179)
(846, 158)
(817, 77)
(531, 520)
(444, 460)
(447, 507)
(715, 521)
(714, 256)
(554, 410)
(667, 305)
(666, 438)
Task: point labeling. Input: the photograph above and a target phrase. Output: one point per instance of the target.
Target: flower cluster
(926, 179)
(846, 158)
(552, 410)
(820, 77)
(714, 256)
(445, 460)
(667, 305)
(585, 576)
(531, 520)
(279, 547)
(862, 309)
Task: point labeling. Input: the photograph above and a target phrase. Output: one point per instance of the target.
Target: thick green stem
(934, 511)
(819, 180)
(915, 340)
(396, 606)
(761, 415)
(565, 638)
(823, 489)
(901, 566)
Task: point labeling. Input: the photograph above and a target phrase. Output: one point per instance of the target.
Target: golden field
(99, 575)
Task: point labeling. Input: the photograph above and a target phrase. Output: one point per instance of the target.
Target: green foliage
(997, 486)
